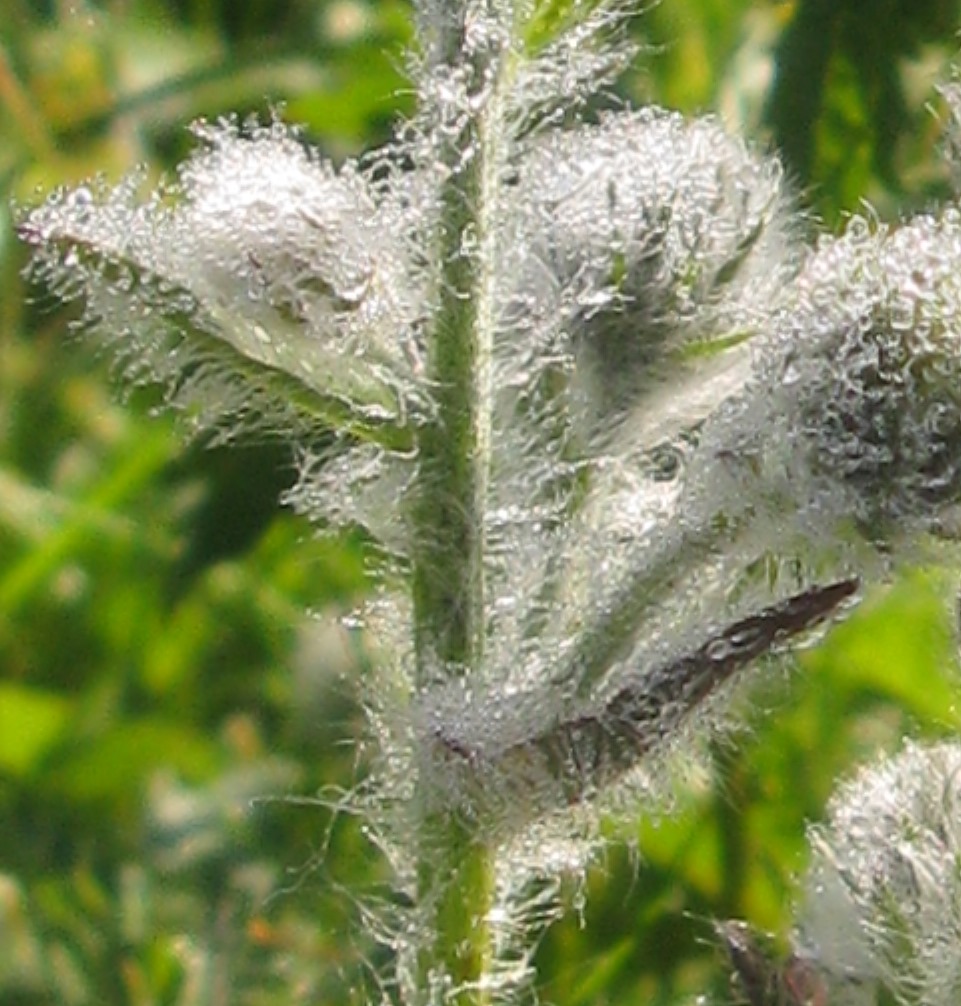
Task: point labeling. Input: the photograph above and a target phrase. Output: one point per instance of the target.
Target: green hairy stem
(456, 867)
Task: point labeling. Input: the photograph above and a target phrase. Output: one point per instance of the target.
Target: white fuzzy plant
(618, 431)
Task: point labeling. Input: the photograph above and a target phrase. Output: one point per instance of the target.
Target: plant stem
(456, 875)
(456, 888)
(448, 581)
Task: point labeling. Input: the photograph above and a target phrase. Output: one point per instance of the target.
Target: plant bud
(883, 893)
(647, 231)
(867, 367)
(258, 254)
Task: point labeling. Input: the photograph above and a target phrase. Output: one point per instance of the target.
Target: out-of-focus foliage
(171, 666)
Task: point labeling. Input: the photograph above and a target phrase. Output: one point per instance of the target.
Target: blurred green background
(175, 708)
